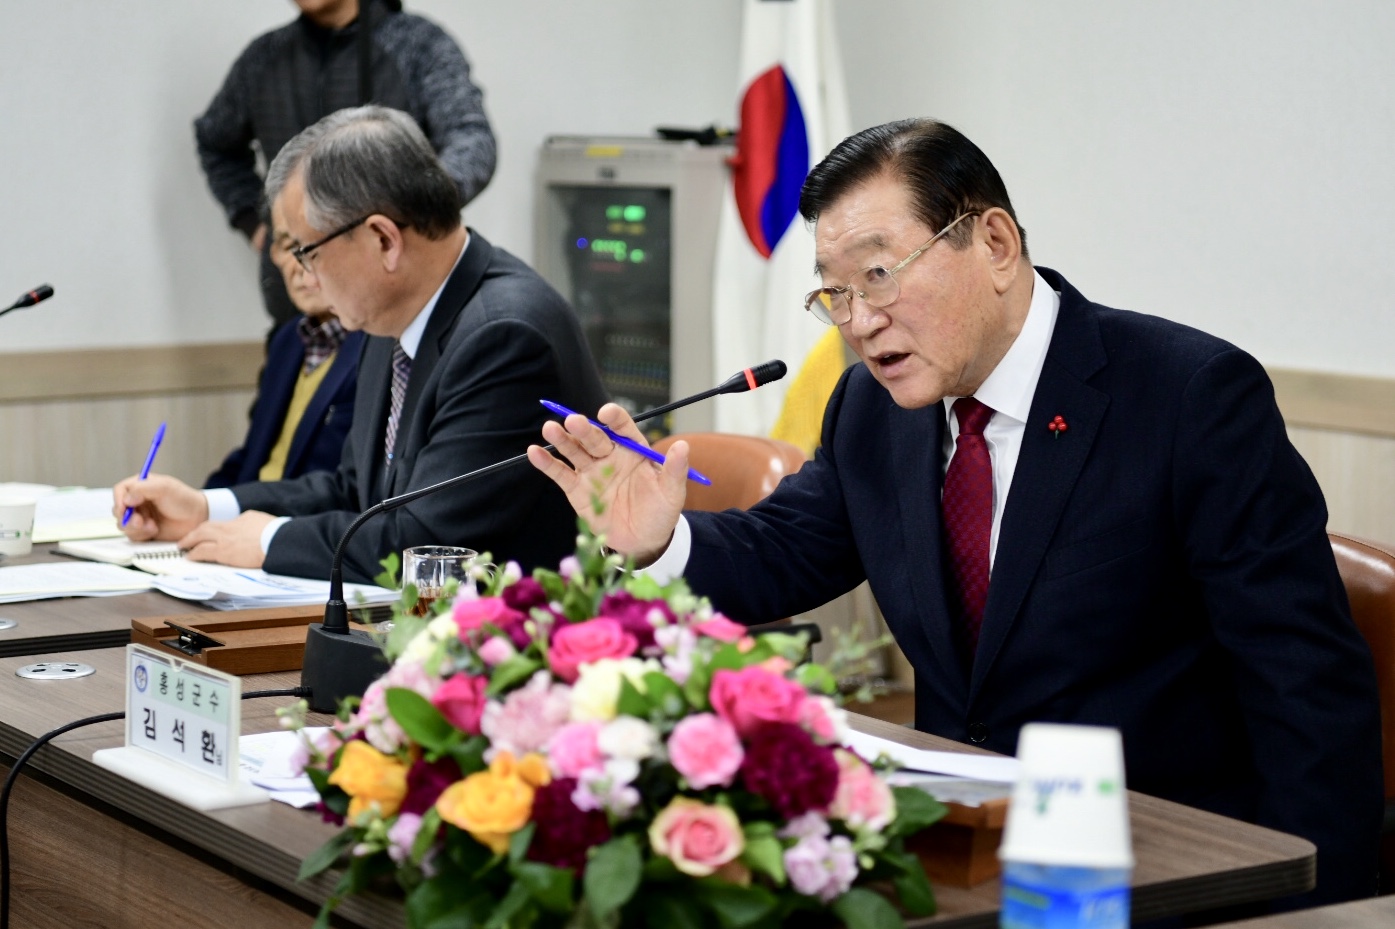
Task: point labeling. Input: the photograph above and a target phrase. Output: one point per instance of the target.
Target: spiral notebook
(122, 551)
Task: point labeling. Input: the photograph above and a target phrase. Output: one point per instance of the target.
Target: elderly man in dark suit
(1067, 512)
(466, 340)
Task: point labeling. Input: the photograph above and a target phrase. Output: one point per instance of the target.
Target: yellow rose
(370, 778)
(492, 805)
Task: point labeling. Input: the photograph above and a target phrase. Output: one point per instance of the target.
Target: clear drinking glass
(429, 567)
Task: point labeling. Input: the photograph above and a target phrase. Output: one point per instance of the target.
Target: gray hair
(366, 160)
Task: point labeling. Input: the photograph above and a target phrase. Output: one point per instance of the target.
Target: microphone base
(338, 665)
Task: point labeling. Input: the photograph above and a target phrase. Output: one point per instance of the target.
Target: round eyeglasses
(875, 285)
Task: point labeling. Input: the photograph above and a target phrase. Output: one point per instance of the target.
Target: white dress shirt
(222, 503)
(1008, 389)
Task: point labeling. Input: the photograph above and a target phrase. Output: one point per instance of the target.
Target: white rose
(628, 737)
(597, 687)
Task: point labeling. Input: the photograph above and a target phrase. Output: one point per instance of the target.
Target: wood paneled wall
(86, 418)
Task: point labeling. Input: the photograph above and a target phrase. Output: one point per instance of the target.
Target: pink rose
(496, 650)
(461, 701)
(752, 697)
(581, 643)
(705, 750)
(471, 615)
(697, 838)
(863, 798)
(720, 628)
(574, 749)
(822, 719)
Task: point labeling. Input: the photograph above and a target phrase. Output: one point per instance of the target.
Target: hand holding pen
(620, 440)
(145, 469)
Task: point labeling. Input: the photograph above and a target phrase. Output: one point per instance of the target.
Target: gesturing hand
(639, 501)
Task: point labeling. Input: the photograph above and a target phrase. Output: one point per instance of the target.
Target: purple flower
(426, 781)
(821, 867)
(786, 767)
(564, 833)
(637, 616)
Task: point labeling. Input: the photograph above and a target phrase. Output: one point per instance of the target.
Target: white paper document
(266, 762)
(74, 513)
(224, 588)
(993, 768)
(64, 579)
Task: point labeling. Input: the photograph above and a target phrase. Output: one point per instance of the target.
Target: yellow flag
(801, 417)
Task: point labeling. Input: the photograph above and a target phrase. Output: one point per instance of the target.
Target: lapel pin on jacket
(1057, 426)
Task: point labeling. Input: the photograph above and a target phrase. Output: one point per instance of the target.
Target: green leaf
(470, 754)
(735, 906)
(326, 855)
(513, 671)
(671, 910)
(612, 876)
(644, 587)
(765, 855)
(446, 902)
(863, 909)
(631, 701)
(912, 886)
(426, 834)
(513, 903)
(551, 887)
(388, 578)
(421, 721)
(816, 678)
(660, 870)
(664, 693)
(915, 809)
(518, 843)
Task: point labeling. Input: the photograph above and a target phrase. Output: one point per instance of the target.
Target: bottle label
(1035, 904)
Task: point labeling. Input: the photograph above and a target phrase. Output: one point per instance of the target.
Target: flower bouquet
(588, 748)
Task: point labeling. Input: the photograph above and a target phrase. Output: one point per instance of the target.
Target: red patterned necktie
(967, 506)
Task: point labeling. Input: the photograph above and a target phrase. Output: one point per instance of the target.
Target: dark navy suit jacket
(319, 437)
(499, 340)
(1162, 567)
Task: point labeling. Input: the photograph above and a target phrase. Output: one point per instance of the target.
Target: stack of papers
(46, 581)
(224, 588)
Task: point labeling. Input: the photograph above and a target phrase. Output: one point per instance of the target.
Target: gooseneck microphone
(37, 295)
(340, 661)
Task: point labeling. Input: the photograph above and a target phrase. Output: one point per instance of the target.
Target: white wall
(1224, 164)
(1227, 164)
(102, 194)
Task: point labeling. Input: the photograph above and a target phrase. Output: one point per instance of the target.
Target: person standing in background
(305, 396)
(337, 54)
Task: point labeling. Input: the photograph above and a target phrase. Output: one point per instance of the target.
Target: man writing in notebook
(465, 339)
(1067, 512)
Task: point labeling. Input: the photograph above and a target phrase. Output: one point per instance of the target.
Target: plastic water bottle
(1067, 857)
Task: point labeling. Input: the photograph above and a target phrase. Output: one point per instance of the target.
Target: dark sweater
(289, 78)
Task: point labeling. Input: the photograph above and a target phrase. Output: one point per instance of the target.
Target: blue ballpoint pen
(145, 471)
(631, 444)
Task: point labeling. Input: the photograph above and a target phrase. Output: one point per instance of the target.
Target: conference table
(90, 848)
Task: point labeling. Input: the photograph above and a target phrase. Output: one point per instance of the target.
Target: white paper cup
(16, 525)
(1069, 806)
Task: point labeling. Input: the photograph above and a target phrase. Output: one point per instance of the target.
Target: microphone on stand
(37, 295)
(340, 661)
